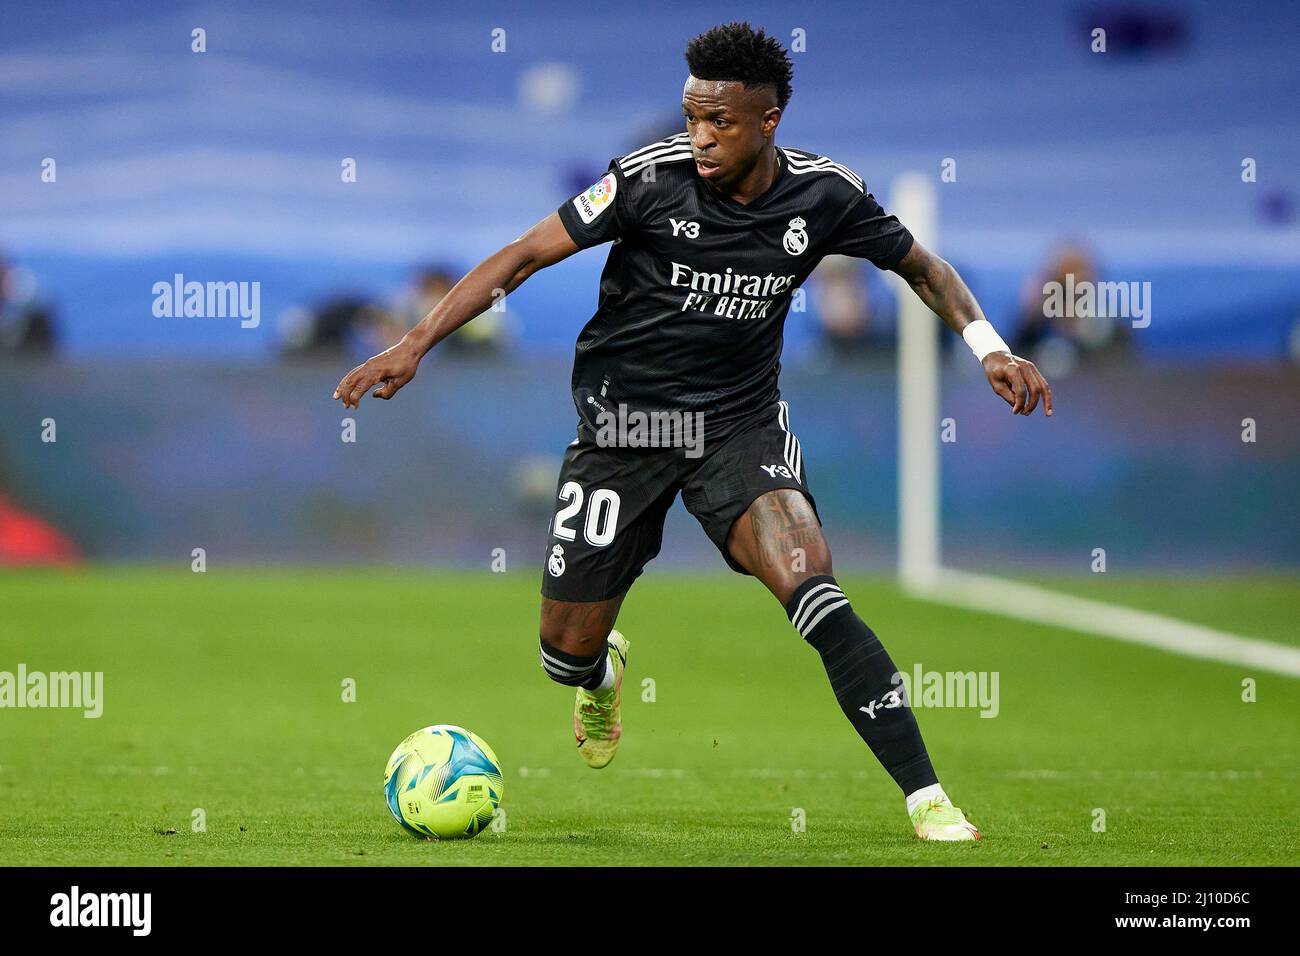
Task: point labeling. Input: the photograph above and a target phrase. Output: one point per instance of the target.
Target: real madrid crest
(795, 239)
(555, 563)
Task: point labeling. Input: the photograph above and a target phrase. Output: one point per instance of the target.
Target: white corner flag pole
(920, 573)
(914, 202)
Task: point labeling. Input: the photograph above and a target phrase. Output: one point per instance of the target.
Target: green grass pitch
(223, 692)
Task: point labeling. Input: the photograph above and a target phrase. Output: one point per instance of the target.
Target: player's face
(729, 125)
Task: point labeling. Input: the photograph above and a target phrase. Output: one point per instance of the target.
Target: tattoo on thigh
(781, 523)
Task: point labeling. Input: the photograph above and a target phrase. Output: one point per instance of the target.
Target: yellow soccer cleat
(598, 721)
(940, 820)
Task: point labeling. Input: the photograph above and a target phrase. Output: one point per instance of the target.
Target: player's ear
(771, 119)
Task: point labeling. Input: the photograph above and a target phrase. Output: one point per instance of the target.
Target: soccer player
(675, 384)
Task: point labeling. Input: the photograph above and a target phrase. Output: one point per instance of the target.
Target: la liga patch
(598, 197)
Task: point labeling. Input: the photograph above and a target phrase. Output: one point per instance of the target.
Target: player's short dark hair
(736, 51)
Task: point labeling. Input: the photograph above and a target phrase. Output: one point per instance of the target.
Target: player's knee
(811, 560)
(805, 563)
(572, 641)
(580, 637)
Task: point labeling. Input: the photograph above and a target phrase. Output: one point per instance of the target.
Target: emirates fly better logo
(730, 294)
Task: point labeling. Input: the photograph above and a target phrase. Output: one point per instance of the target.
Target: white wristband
(983, 338)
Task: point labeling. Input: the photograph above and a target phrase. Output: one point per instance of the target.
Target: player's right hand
(1018, 381)
(390, 370)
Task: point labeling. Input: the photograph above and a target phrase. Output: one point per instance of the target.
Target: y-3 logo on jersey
(774, 470)
(685, 227)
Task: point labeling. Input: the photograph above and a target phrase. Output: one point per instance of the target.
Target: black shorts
(613, 501)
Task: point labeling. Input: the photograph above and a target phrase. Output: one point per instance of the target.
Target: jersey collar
(758, 201)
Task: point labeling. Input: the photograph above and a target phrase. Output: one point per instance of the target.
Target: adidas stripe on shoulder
(802, 163)
(674, 149)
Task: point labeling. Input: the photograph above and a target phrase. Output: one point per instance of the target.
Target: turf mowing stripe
(1027, 602)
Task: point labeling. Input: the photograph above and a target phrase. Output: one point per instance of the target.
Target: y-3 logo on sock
(892, 700)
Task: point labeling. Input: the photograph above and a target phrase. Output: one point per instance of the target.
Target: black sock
(575, 671)
(863, 678)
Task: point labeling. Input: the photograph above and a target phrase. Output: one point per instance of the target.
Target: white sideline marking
(1162, 775)
(1027, 602)
(674, 772)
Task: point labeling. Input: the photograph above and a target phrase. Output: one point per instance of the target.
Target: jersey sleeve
(601, 212)
(868, 232)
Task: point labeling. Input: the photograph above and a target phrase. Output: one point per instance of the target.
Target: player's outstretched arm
(938, 285)
(500, 273)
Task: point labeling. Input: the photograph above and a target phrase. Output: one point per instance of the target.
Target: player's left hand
(1019, 382)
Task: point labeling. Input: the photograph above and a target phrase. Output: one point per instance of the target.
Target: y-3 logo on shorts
(774, 470)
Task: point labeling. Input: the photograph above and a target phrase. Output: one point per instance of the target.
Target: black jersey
(694, 295)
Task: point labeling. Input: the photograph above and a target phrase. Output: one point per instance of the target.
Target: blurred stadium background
(176, 433)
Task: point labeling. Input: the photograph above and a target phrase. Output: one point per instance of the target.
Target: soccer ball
(443, 783)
